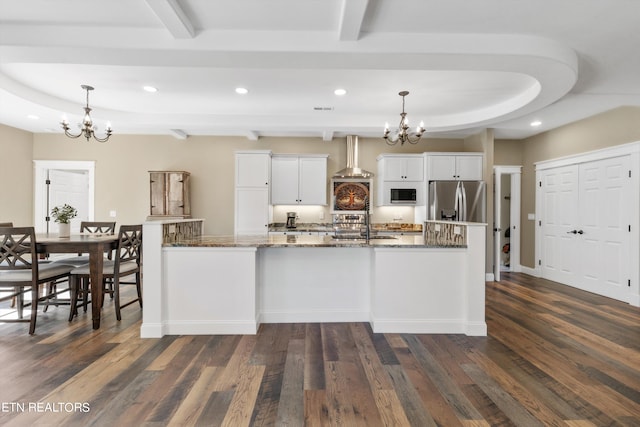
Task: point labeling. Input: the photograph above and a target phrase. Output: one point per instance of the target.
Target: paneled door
(603, 232)
(585, 226)
(559, 217)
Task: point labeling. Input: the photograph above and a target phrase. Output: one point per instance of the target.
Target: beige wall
(122, 165)
(16, 190)
(615, 127)
(508, 152)
(483, 142)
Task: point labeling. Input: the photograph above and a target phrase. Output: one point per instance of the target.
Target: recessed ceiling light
(242, 90)
(33, 117)
(340, 92)
(150, 89)
(536, 123)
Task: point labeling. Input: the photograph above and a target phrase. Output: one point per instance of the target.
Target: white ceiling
(468, 64)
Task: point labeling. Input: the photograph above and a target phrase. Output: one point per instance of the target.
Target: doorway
(506, 216)
(58, 182)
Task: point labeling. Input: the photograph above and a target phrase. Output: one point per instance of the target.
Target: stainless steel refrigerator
(457, 201)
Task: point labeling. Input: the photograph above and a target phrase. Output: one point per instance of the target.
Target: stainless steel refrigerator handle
(458, 202)
(463, 193)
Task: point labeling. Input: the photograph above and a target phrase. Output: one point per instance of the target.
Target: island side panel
(315, 284)
(210, 290)
(475, 270)
(419, 291)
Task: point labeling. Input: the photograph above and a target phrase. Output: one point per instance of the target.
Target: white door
(603, 231)
(69, 187)
(559, 223)
(71, 182)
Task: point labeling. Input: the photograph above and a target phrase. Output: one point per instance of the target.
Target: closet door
(603, 229)
(559, 217)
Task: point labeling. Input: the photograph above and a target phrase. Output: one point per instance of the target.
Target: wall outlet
(436, 227)
(531, 216)
(321, 216)
(456, 230)
(112, 214)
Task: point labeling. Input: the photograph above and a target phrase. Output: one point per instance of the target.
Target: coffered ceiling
(467, 64)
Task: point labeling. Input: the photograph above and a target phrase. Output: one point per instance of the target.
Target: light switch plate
(112, 214)
(531, 216)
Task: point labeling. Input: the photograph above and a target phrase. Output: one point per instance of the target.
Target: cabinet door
(157, 186)
(441, 167)
(469, 168)
(394, 168)
(414, 169)
(284, 180)
(252, 210)
(253, 170)
(312, 187)
(175, 194)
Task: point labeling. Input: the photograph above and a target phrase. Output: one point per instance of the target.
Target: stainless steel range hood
(352, 170)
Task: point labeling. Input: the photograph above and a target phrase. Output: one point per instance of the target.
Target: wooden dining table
(92, 243)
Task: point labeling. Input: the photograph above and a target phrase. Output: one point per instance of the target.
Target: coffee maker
(291, 219)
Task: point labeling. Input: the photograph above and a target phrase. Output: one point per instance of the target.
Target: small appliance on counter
(291, 219)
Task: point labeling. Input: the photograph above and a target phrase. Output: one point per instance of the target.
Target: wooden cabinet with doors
(169, 194)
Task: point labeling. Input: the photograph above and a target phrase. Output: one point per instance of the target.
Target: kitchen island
(427, 283)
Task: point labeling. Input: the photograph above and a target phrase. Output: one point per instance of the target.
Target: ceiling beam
(351, 19)
(327, 135)
(252, 135)
(173, 18)
(178, 133)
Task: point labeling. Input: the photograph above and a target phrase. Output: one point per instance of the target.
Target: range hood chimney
(352, 170)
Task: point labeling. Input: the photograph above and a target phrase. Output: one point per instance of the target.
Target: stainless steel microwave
(403, 195)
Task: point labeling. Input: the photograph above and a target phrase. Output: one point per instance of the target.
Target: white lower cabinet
(252, 210)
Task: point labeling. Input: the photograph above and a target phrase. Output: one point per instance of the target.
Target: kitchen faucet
(367, 220)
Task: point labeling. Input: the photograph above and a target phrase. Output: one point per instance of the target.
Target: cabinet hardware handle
(573, 232)
(580, 232)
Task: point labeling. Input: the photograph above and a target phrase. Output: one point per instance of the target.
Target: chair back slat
(129, 244)
(17, 248)
(105, 227)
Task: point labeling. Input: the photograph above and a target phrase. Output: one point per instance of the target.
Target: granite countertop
(283, 241)
(376, 226)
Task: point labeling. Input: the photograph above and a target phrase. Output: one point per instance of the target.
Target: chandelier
(87, 129)
(402, 134)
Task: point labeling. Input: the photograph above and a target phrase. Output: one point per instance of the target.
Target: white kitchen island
(230, 285)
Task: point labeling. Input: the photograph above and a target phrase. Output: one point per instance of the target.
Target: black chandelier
(87, 129)
(402, 134)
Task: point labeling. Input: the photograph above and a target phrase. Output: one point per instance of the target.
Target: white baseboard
(429, 327)
(531, 271)
(154, 330)
(321, 316)
(489, 277)
(211, 328)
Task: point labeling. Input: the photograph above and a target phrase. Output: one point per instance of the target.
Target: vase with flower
(63, 216)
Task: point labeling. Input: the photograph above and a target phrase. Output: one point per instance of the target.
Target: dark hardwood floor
(555, 356)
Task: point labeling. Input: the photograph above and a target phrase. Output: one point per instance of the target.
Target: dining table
(95, 245)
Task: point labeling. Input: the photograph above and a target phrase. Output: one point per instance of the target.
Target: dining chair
(95, 227)
(127, 262)
(20, 271)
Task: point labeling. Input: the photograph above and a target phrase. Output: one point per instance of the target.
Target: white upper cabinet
(462, 167)
(253, 168)
(299, 179)
(401, 168)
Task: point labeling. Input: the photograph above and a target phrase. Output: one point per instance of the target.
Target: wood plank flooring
(555, 356)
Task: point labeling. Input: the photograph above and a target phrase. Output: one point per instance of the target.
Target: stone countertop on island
(281, 241)
(376, 226)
